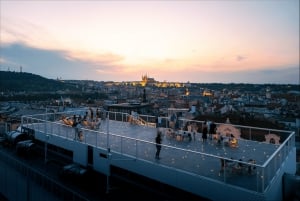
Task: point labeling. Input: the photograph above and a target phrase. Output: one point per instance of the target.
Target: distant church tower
(144, 80)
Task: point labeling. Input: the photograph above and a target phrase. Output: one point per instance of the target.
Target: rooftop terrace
(189, 161)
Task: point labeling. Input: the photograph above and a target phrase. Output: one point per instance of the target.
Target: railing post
(28, 186)
(45, 129)
(59, 131)
(96, 139)
(108, 172)
(51, 124)
(257, 180)
(275, 164)
(224, 172)
(21, 121)
(262, 179)
(136, 149)
(46, 147)
(107, 130)
(108, 154)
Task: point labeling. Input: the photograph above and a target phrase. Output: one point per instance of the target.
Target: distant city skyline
(174, 41)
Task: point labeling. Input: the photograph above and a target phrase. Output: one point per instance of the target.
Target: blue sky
(203, 41)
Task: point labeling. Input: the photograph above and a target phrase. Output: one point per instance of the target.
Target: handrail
(237, 125)
(183, 119)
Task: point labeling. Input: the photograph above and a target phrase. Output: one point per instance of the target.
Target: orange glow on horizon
(126, 38)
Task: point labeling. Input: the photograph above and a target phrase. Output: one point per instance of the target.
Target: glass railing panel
(88, 136)
(146, 151)
(101, 140)
(127, 146)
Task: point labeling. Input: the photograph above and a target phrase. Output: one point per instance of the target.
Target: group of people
(208, 129)
(229, 140)
(87, 120)
(89, 114)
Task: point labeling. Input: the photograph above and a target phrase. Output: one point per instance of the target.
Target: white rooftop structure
(186, 162)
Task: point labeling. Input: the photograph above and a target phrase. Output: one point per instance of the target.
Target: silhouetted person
(79, 119)
(74, 124)
(212, 129)
(92, 114)
(204, 132)
(158, 144)
(97, 113)
(85, 116)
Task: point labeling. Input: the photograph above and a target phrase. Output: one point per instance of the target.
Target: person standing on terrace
(92, 114)
(97, 113)
(204, 132)
(158, 144)
(212, 129)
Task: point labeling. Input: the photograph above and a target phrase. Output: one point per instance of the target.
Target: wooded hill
(28, 82)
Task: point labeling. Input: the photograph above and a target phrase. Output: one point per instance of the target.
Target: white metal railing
(140, 149)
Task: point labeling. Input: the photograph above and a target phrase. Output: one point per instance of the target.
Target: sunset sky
(222, 41)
